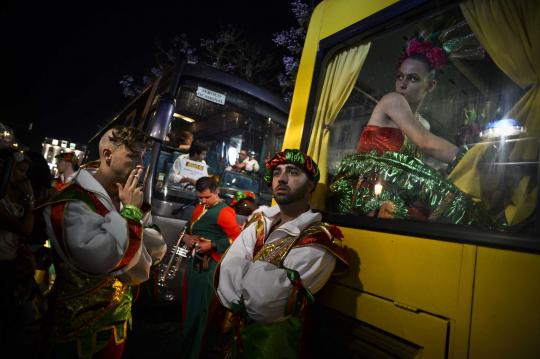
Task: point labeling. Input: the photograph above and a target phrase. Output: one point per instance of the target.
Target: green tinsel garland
(407, 182)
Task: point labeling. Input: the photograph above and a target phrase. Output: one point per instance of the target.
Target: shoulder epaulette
(329, 237)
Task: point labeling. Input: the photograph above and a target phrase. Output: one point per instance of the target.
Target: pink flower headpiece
(433, 54)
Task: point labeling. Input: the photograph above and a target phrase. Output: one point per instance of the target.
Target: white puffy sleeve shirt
(96, 244)
(264, 287)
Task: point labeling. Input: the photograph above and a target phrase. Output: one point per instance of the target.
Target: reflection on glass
(429, 139)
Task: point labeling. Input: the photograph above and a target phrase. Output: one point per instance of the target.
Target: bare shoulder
(393, 99)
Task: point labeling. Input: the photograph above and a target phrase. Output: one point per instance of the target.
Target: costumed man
(67, 164)
(100, 249)
(244, 203)
(284, 255)
(213, 228)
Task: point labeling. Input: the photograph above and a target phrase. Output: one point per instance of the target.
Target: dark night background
(64, 61)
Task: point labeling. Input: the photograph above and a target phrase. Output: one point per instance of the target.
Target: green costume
(86, 309)
(219, 225)
(269, 274)
(409, 189)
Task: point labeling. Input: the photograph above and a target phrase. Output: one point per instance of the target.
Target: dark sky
(63, 61)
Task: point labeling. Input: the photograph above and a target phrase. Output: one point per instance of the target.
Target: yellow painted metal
(423, 329)
(460, 322)
(418, 272)
(339, 14)
(328, 17)
(455, 300)
(298, 110)
(506, 315)
(427, 275)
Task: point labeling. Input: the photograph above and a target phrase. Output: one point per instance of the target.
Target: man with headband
(95, 227)
(284, 255)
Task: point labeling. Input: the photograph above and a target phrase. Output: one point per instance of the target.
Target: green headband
(296, 158)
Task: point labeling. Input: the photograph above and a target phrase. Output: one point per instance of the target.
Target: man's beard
(291, 197)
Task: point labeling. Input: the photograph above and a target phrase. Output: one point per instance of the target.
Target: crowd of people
(248, 283)
(22, 304)
(71, 248)
(97, 237)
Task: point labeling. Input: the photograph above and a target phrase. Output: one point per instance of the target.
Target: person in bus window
(385, 179)
(185, 140)
(246, 162)
(395, 123)
(186, 177)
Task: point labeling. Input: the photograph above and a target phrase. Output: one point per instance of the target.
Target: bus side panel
(339, 14)
(423, 275)
(425, 330)
(506, 305)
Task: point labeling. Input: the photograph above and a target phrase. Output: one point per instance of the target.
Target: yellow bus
(441, 286)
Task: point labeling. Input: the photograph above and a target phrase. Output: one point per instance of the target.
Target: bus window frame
(390, 19)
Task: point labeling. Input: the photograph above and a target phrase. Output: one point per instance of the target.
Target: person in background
(212, 229)
(40, 178)
(197, 153)
(252, 165)
(16, 217)
(243, 203)
(185, 139)
(284, 255)
(246, 162)
(67, 164)
(95, 227)
(20, 313)
(396, 129)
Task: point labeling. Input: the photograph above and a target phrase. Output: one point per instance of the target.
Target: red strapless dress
(380, 139)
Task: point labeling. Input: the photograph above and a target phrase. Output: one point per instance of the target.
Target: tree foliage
(292, 40)
(230, 51)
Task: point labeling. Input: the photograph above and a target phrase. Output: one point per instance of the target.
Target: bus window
(431, 129)
(225, 122)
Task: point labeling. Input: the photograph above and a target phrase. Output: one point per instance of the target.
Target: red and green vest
(84, 305)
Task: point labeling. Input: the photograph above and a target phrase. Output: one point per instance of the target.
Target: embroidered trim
(276, 251)
(203, 212)
(299, 296)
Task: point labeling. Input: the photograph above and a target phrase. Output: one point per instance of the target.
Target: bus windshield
(217, 131)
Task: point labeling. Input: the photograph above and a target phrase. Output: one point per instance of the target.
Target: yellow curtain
(509, 30)
(339, 80)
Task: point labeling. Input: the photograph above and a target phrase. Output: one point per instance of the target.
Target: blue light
(502, 128)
